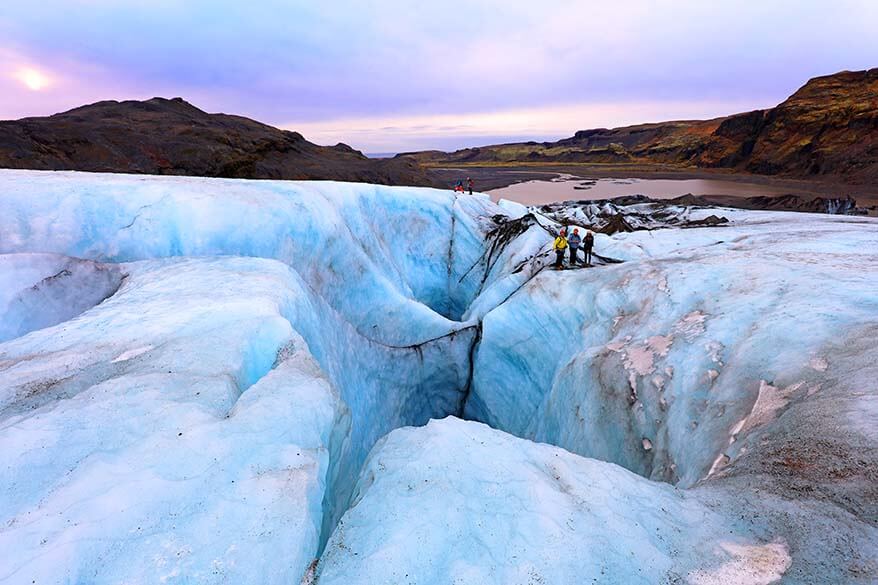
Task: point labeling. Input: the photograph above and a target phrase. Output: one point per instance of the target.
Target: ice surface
(149, 440)
(388, 268)
(674, 345)
(513, 208)
(370, 277)
(459, 502)
(195, 371)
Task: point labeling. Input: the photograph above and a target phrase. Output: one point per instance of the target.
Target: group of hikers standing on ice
(563, 243)
(459, 186)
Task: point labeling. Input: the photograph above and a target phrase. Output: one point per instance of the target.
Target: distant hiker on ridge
(458, 186)
(469, 184)
(574, 241)
(588, 244)
(559, 246)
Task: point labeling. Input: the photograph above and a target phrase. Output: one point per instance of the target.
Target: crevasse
(385, 277)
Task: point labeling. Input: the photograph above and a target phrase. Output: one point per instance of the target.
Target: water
(568, 187)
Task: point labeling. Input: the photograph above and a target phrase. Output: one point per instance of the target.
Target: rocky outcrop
(830, 205)
(829, 127)
(616, 224)
(173, 137)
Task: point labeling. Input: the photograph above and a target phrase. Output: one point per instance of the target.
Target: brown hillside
(173, 137)
(827, 128)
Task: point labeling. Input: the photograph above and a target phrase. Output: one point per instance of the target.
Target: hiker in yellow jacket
(560, 246)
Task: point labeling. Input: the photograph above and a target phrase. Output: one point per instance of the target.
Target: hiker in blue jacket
(574, 241)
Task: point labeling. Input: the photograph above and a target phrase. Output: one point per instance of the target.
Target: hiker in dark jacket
(469, 184)
(574, 241)
(587, 245)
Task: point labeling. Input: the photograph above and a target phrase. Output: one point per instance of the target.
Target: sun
(32, 79)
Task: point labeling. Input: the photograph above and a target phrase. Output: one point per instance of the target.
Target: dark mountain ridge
(172, 137)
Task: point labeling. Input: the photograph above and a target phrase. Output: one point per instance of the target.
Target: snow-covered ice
(178, 432)
(194, 372)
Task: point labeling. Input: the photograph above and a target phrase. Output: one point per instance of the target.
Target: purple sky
(387, 76)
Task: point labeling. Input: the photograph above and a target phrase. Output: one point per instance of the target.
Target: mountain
(829, 127)
(172, 137)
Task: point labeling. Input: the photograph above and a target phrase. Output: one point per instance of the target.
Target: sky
(393, 76)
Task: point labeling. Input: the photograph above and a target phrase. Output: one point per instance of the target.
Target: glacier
(211, 381)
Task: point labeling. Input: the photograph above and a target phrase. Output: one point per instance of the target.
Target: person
(469, 184)
(587, 246)
(574, 241)
(559, 246)
(458, 186)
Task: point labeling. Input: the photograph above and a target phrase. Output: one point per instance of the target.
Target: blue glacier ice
(384, 266)
(371, 278)
(678, 344)
(187, 382)
(201, 382)
(459, 502)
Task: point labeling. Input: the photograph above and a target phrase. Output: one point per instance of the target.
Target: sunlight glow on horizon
(32, 78)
